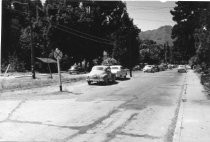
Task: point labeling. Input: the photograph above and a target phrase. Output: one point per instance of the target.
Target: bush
(15, 64)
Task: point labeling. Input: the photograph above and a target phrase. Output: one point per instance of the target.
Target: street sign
(58, 54)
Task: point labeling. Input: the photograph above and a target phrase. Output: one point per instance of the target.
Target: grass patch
(40, 81)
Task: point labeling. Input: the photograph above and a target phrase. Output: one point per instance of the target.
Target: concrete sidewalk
(193, 124)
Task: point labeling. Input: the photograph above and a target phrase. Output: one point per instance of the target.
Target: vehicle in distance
(161, 67)
(75, 69)
(119, 71)
(156, 68)
(149, 68)
(182, 68)
(101, 74)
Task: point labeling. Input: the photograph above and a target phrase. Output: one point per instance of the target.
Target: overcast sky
(149, 15)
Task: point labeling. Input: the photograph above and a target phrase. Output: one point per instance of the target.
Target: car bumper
(95, 79)
(71, 71)
(182, 70)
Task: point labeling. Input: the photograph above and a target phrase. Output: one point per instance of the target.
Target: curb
(179, 126)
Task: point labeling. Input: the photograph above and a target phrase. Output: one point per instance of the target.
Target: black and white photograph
(104, 71)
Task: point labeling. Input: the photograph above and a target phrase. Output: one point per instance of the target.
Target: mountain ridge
(160, 35)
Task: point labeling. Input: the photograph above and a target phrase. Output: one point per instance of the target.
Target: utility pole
(0, 33)
(165, 48)
(130, 55)
(32, 44)
(171, 54)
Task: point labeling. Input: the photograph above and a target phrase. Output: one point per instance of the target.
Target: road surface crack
(141, 136)
(118, 129)
(84, 129)
(15, 109)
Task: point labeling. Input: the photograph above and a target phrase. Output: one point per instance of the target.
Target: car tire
(89, 82)
(106, 81)
(113, 79)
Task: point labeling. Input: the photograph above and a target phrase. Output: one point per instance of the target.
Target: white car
(119, 71)
(100, 74)
(148, 68)
(182, 68)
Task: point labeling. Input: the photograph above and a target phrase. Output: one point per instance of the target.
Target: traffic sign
(58, 54)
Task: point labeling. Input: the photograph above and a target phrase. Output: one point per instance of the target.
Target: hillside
(160, 35)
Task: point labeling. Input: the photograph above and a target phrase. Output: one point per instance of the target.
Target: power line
(104, 41)
(85, 33)
(64, 30)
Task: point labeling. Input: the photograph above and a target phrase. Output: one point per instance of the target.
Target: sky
(149, 15)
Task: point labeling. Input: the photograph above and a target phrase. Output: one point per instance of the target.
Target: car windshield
(98, 68)
(114, 68)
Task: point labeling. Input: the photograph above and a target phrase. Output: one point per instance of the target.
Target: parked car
(188, 67)
(99, 74)
(182, 68)
(148, 68)
(170, 66)
(156, 68)
(119, 71)
(75, 69)
(161, 67)
(137, 68)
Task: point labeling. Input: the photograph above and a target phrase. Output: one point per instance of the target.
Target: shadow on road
(123, 79)
(102, 84)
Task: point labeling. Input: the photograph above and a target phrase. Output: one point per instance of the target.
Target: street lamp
(32, 47)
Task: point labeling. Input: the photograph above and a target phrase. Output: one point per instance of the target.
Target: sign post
(58, 55)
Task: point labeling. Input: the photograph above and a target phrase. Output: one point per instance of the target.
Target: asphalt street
(142, 108)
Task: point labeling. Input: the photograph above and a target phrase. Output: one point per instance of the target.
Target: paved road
(143, 108)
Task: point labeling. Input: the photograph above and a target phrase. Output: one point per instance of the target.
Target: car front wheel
(89, 82)
(113, 79)
(106, 81)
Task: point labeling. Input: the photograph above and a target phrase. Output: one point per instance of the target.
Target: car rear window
(114, 67)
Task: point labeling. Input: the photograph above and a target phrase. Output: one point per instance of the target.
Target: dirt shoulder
(24, 81)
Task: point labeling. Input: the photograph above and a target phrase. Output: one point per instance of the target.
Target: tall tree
(186, 14)
(202, 37)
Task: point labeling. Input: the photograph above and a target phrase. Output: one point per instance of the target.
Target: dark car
(156, 68)
(75, 69)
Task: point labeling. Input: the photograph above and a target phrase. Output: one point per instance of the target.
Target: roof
(116, 66)
(47, 60)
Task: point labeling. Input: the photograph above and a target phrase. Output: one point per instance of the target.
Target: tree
(186, 14)
(202, 38)
(127, 43)
(82, 30)
(151, 52)
(16, 16)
